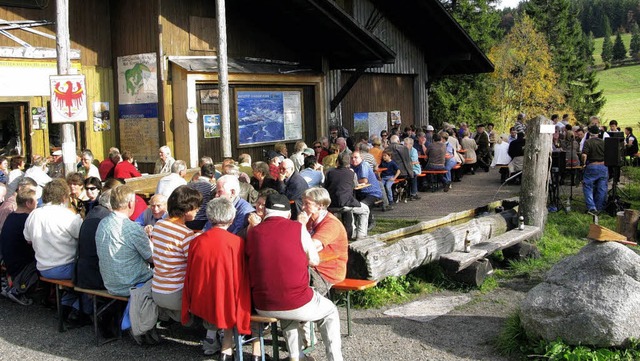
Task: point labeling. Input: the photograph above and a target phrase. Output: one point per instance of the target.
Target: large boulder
(591, 298)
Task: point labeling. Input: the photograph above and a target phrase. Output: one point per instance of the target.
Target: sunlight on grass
(622, 86)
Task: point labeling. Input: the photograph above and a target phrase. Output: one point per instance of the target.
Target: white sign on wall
(68, 98)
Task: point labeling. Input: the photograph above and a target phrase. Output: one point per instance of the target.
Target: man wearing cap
(279, 252)
(56, 166)
(429, 134)
(595, 175)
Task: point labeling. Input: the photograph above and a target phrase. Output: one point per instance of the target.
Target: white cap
(57, 152)
(430, 128)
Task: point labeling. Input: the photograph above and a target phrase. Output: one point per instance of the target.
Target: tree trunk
(379, 257)
(535, 174)
(627, 224)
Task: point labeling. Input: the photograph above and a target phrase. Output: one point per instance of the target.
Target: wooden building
(295, 67)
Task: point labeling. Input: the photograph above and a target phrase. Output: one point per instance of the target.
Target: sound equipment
(558, 162)
(614, 151)
(616, 134)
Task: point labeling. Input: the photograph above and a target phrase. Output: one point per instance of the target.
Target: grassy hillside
(597, 46)
(622, 91)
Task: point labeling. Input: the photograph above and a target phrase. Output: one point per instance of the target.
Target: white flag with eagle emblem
(68, 98)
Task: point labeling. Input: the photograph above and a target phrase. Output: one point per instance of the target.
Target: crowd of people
(243, 236)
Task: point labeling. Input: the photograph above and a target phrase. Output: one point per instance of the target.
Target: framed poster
(369, 123)
(211, 125)
(268, 116)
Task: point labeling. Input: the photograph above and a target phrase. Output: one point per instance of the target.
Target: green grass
(621, 89)
(597, 47)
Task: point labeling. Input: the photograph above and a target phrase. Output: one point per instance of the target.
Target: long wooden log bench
(455, 263)
(146, 185)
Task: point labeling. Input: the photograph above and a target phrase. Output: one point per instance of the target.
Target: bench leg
(59, 306)
(274, 341)
(349, 313)
(237, 338)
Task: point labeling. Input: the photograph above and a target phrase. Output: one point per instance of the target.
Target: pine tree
(607, 45)
(619, 50)
(634, 47)
(572, 53)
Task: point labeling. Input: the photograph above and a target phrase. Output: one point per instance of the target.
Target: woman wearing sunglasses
(92, 187)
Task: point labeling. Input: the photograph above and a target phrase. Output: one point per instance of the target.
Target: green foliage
(391, 290)
(607, 45)
(512, 340)
(619, 50)
(622, 86)
(634, 46)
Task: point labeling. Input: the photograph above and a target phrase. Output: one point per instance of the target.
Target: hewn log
(535, 174)
(627, 223)
(473, 275)
(382, 256)
(520, 251)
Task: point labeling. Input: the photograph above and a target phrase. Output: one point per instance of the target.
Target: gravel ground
(466, 333)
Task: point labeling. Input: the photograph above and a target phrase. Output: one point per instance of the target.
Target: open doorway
(14, 129)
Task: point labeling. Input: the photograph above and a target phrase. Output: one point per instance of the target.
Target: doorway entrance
(14, 129)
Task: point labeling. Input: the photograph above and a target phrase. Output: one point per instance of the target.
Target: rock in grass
(591, 298)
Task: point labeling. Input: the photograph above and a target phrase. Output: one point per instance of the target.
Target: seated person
(171, 238)
(18, 255)
(293, 183)
(126, 169)
(340, 182)
(53, 231)
(228, 186)
(216, 286)
(312, 172)
(247, 192)
(279, 252)
(168, 183)
(371, 194)
(262, 177)
(108, 165)
(86, 167)
(390, 173)
(157, 210)
(92, 189)
(123, 247)
(436, 153)
(165, 161)
(206, 185)
(87, 273)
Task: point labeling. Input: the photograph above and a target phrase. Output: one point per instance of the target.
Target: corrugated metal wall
(410, 63)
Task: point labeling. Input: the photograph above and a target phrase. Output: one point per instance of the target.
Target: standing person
(279, 252)
(171, 239)
(126, 169)
(630, 142)
(390, 173)
(216, 283)
(417, 169)
(164, 162)
(483, 152)
(596, 174)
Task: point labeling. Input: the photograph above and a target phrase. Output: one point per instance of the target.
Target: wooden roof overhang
(318, 28)
(449, 49)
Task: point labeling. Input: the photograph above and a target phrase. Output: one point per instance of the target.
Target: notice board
(140, 136)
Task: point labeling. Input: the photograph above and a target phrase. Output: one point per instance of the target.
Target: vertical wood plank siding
(410, 68)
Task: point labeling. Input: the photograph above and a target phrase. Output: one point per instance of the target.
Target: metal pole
(223, 79)
(63, 47)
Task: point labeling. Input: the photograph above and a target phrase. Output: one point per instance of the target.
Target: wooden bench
(457, 261)
(97, 311)
(59, 286)
(240, 341)
(349, 285)
(432, 178)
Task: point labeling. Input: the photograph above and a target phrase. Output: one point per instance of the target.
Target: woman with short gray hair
(216, 284)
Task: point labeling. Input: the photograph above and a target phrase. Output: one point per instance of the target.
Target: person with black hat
(596, 174)
(279, 252)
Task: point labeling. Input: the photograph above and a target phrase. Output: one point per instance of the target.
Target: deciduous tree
(524, 79)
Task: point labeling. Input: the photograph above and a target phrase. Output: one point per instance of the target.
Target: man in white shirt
(168, 183)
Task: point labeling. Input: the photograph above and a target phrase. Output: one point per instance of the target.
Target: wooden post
(63, 47)
(535, 175)
(627, 223)
(223, 78)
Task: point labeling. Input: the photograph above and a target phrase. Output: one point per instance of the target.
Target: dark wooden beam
(347, 87)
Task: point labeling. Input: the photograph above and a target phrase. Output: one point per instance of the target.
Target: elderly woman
(329, 236)
(469, 145)
(262, 177)
(77, 195)
(171, 239)
(92, 189)
(216, 284)
(86, 167)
